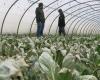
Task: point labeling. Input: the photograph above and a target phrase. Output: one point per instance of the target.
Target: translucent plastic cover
(81, 16)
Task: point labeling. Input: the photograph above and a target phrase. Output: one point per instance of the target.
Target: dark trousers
(40, 28)
(61, 31)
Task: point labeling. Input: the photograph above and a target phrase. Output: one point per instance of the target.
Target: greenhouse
(49, 39)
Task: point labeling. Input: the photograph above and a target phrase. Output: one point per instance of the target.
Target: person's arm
(42, 18)
(64, 20)
(59, 21)
(38, 15)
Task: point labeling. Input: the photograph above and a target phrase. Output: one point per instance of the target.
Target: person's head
(41, 5)
(60, 11)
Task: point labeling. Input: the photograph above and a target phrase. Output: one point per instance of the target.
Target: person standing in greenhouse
(61, 22)
(40, 19)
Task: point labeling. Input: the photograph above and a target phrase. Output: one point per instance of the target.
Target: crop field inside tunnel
(81, 16)
(27, 55)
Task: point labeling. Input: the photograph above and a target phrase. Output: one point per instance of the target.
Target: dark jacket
(61, 21)
(40, 15)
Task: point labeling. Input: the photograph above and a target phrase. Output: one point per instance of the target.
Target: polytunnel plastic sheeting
(73, 24)
(74, 14)
(91, 20)
(78, 11)
(87, 26)
(18, 16)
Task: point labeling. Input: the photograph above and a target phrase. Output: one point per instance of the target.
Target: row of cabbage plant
(55, 57)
